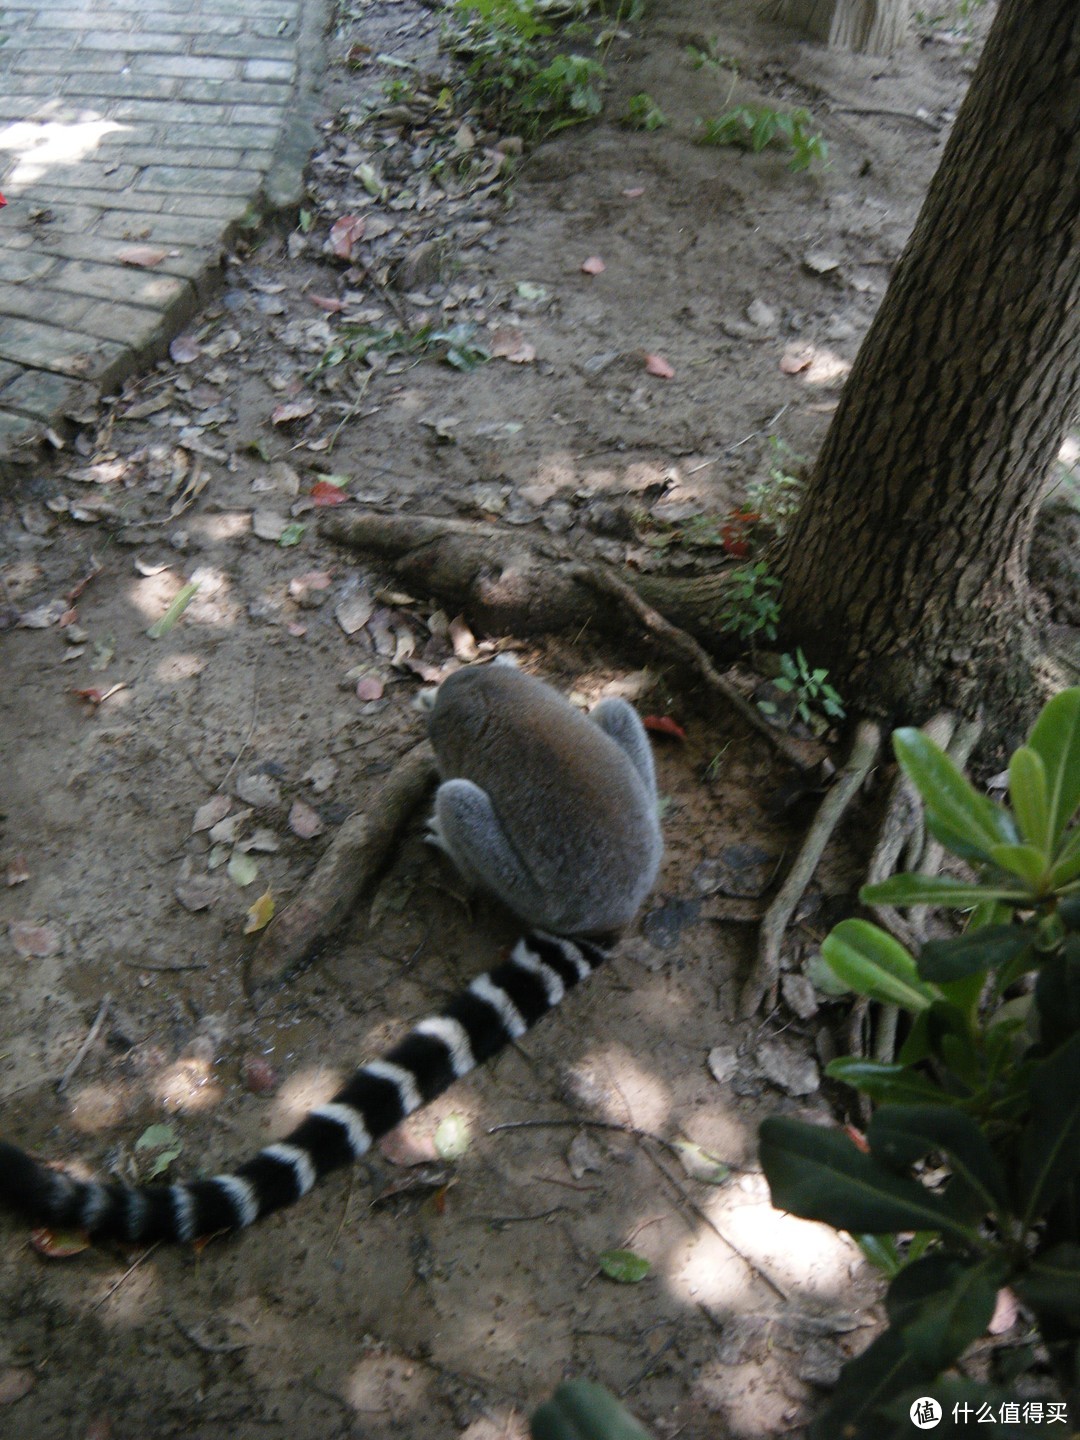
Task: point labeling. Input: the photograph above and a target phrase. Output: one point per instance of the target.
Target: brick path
(156, 123)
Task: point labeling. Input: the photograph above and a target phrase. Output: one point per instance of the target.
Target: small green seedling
(753, 127)
(643, 113)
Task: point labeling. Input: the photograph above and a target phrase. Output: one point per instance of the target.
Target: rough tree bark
(904, 572)
(868, 27)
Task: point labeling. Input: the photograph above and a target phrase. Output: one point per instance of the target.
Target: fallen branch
(766, 969)
(803, 754)
(351, 861)
(80, 1055)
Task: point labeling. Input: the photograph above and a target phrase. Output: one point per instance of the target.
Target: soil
(422, 1296)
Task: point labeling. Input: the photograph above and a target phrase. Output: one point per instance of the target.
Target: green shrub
(987, 1083)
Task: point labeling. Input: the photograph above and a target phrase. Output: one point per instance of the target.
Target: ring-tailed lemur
(554, 813)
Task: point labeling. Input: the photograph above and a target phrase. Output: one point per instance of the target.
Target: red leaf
(344, 234)
(324, 493)
(327, 303)
(657, 365)
(664, 725)
(59, 1244)
(857, 1138)
(593, 265)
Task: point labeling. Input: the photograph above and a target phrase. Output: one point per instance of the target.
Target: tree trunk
(905, 570)
(868, 27)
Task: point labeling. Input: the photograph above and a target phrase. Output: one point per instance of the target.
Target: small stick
(803, 754)
(763, 976)
(92, 1034)
(117, 1283)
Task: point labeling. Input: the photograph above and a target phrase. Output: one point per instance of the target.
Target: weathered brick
(185, 67)
(124, 284)
(60, 349)
(199, 181)
(134, 42)
(19, 267)
(275, 72)
(42, 395)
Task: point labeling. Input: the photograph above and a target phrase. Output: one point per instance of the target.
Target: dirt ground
(420, 1296)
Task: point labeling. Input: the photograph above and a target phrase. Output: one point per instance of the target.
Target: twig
(911, 115)
(763, 976)
(117, 1283)
(80, 1055)
(803, 754)
(169, 968)
(672, 1148)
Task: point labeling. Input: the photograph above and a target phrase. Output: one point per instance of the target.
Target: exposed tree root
(354, 857)
(763, 977)
(804, 754)
(903, 837)
(510, 583)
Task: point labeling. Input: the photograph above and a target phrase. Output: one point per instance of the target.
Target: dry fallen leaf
(635, 192)
(184, 350)
(512, 346)
(304, 821)
(38, 941)
(793, 362)
(593, 265)
(59, 1244)
(657, 365)
(258, 1075)
(260, 914)
(664, 725)
(208, 815)
(323, 492)
(293, 411)
(144, 256)
(344, 234)
(327, 303)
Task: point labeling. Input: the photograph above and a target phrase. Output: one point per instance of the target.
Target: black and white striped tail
(496, 1008)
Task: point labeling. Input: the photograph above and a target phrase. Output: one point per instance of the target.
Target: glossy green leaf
(582, 1410)
(822, 1175)
(1052, 1284)
(1050, 1144)
(1057, 995)
(948, 794)
(910, 889)
(624, 1266)
(973, 953)
(1066, 865)
(1026, 861)
(881, 1251)
(942, 1303)
(900, 1135)
(884, 1083)
(872, 963)
(1028, 797)
(1056, 739)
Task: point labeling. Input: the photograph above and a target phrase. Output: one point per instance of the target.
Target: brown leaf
(208, 815)
(657, 365)
(593, 265)
(344, 234)
(327, 303)
(18, 871)
(258, 1075)
(292, 412)
(1005, 1312)
(635, 192)
(511, 345)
